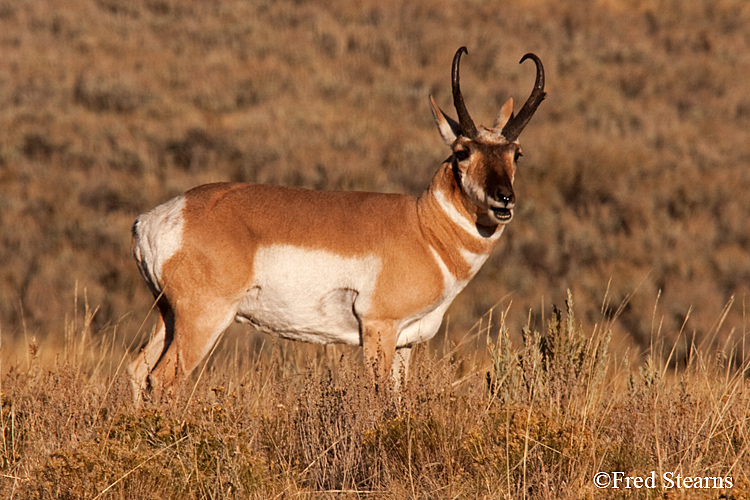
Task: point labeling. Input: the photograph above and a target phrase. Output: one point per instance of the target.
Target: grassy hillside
(634, 178)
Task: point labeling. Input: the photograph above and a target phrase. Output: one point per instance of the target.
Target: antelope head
(484, 159)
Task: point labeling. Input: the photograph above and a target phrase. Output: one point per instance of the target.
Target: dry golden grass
(287, 420)
(633, 186)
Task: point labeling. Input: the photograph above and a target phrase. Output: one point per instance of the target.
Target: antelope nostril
(505, 199)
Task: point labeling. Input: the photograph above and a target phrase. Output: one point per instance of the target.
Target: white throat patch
(454, 215)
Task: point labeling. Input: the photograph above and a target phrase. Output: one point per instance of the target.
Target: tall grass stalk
(531, 419)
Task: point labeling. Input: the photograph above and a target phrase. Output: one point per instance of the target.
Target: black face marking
(499, 187)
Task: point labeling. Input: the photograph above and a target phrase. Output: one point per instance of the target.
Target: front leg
(379, 344)
(400, 368)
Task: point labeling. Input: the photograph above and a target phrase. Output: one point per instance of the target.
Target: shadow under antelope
(370, 269)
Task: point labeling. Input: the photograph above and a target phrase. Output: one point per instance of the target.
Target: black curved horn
(468, 129)
(515, 125)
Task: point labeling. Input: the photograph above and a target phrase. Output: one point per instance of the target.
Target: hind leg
(197, 327)
(141, 366)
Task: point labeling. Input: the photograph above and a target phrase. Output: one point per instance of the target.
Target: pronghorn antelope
(369, 269)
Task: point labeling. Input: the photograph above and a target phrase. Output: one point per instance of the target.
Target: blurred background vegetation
(634, 184)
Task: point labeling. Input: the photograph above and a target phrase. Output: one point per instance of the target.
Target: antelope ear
(505, 114)
(448, 127)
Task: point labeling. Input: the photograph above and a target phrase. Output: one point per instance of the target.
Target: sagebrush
(533, 419)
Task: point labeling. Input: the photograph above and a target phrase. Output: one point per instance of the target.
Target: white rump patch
(158, 236)
(310, 295)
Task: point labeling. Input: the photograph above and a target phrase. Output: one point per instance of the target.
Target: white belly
(309, 295)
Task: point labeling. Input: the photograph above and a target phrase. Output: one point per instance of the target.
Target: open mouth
(502, 215)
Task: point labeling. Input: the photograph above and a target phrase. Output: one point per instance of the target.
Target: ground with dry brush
(538, 421)
(632, 192)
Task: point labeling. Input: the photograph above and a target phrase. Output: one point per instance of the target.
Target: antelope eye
(461, 155)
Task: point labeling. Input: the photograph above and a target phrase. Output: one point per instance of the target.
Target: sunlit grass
(270, 418)
(634, 180)
(634, 167)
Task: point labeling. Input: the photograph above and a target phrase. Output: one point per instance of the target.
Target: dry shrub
(634, 178)
(538, 420)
